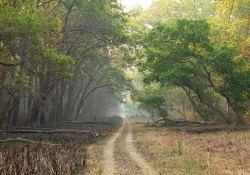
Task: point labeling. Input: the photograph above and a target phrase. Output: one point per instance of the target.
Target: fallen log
(79, 122)
(158, 120)
(26, 140)
(149, 124)
(140, 123)
(170, 122)
(47, 132)
(103, 135)
(206, 130)
(32, 128)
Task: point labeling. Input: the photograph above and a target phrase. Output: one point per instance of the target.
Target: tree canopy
(193, 54)
(73, 59)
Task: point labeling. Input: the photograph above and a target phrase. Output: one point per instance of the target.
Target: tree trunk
(184, 109)
(223, 115)
(79, 107)
(68, 105)
(16, 111)
(60, 108)
(194, 104)
(241, 117)
(152, 114)
(239, 113)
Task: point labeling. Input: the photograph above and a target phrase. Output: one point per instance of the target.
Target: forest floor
(162, 150)
(181, 153)
(118, 156)
(51, 153)
(130, 148)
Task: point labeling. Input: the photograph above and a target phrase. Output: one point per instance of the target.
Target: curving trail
(108, 156)
(145, 167)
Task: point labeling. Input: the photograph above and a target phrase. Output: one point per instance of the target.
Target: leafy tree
(182, 55)
(51, 56)
(136, 11)
(153, 100)
(175, 54)
(27, 54)
(170, 10)
(232, 79)
(231, 21)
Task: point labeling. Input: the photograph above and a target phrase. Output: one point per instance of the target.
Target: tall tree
(180, 55)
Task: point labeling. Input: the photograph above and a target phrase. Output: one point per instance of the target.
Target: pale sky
(130, 3)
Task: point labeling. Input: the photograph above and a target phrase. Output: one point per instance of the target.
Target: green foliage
(223, 61)
(182, 54)
(231, 21)
(192, 53)
(61, 66)
(175, 51)
(136, 11)
(169, 11)
(162, 112)
(25, 80)
(234, 74)
(23, 31)
(152, 100)
(26, 20)
(47, 46)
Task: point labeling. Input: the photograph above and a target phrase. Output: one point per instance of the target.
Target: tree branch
(176, 111)
(12, 64)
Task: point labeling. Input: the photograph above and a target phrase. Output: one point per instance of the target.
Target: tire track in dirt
(108, 155)
(146, 168)
(123, 162)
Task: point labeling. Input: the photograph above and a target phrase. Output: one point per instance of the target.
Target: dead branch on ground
(47, 132)
(79, 122)
(26, 140)
(170, 122)
(199, 131)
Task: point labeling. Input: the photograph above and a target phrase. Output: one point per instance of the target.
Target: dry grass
(96, 150)
(41, 159)
(125, 165)
(95, 156)
(64, 154)
(181, 153)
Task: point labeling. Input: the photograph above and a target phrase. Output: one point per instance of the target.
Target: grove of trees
(60, 60)
(194, 56)
(72, 60)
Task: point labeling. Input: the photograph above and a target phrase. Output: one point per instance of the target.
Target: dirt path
(108, 156)
(125, 165)
(145, 167)
(125, 154)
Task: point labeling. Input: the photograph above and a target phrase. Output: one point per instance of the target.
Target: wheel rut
(130, 157)
(108, 155)
(145, 167)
